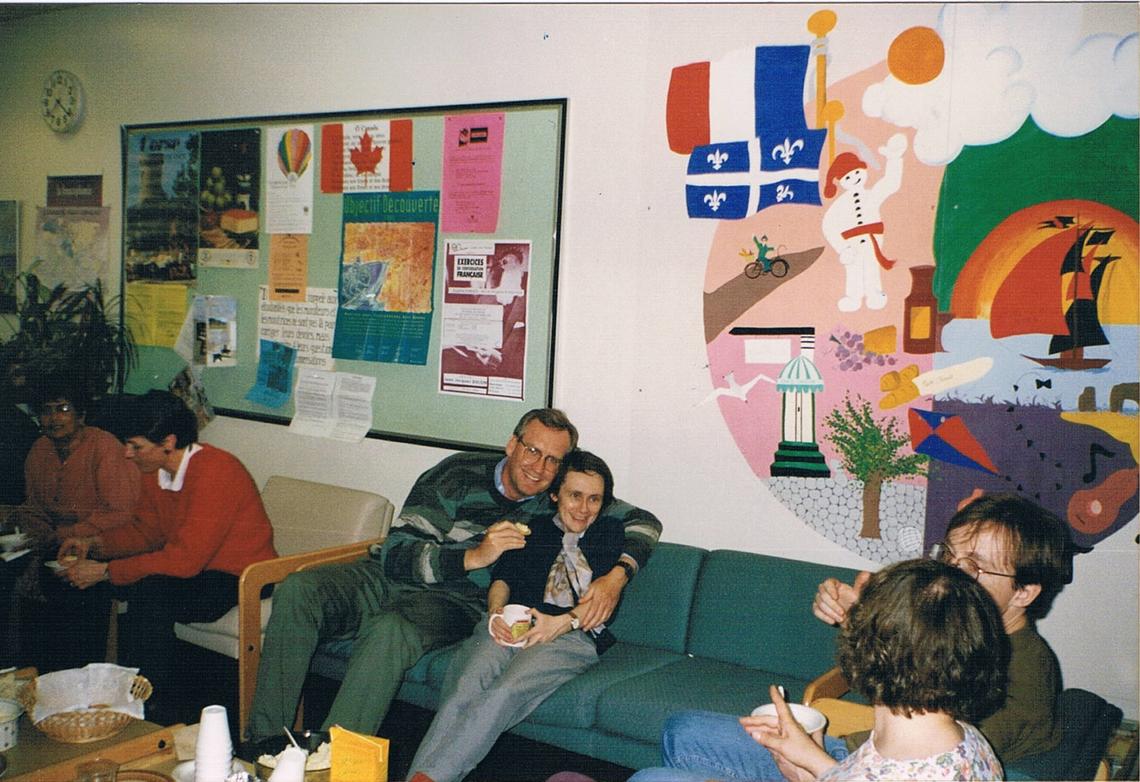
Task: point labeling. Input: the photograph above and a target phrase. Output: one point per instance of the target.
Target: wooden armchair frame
(253, 579)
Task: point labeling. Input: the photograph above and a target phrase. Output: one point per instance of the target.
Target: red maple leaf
(366, 157)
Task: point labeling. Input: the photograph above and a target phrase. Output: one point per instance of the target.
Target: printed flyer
(483, 338)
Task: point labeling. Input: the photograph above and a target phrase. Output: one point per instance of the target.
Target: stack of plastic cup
(214, 752)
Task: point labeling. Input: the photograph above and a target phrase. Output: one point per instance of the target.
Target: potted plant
(77, 332)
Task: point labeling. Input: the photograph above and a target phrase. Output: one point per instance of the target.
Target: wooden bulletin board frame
(407, 405)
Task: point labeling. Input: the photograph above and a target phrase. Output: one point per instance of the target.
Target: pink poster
(472, 172)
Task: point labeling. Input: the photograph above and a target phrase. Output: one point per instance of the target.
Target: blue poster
(387, 271)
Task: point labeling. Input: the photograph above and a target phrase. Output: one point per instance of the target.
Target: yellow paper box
(358, 758)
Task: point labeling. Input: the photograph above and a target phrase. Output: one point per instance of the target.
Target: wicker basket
(81, 727)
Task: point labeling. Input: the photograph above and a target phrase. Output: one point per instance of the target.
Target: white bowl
(810, 719)
(511, 613)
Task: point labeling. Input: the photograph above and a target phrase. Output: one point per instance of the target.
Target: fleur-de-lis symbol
(715, 199)
(787, 149)
(717, 158)
(784, 193)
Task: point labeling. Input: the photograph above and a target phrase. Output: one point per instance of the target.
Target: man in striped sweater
(413, 593)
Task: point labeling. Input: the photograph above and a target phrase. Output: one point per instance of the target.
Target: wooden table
(37, 758)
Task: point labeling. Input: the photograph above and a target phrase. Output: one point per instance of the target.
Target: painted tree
(872, 453)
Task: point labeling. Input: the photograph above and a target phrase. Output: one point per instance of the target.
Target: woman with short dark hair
(199, 523)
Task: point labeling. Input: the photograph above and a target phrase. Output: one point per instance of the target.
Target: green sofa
(696, 629)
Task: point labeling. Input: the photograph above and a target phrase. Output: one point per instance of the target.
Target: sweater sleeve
(427, 542)
(213, 495)
(642, 530)
(142, 533)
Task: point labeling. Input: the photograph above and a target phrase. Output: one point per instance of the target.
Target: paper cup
(214, 751)
(810, 719)
(511, 613)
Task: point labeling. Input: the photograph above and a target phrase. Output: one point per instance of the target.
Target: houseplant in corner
(76, 332)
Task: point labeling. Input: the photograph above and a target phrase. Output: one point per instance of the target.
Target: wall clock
(61, 105)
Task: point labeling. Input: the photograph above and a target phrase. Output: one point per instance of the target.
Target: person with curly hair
(926, 646)
(1018, 552)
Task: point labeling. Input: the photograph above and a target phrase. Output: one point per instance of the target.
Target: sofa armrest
(255, 578)
(831, 684)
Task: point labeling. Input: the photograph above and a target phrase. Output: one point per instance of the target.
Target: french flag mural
(756, 98)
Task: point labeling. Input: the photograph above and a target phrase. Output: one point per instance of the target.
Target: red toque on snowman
(844, 164)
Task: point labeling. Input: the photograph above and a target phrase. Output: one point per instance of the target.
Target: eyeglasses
(63, 407)
(530, 455)
(943, 553)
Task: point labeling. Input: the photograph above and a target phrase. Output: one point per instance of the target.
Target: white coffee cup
(511, 613)
(810, 719)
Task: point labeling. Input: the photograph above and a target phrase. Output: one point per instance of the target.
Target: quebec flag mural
(769, 156)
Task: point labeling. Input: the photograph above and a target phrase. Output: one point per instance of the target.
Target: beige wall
(631, 362)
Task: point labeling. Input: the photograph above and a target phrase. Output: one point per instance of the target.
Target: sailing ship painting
(1064, 269)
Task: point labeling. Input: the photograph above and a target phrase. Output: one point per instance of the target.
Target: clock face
(61, 104)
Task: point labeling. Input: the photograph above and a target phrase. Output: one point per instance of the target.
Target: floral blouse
(971, 759)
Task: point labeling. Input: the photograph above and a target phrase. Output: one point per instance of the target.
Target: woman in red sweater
(198, 523)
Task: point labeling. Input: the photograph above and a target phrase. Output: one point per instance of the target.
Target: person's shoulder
(102, 438)
(1028, 642)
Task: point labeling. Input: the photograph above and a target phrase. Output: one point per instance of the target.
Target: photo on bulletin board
(415, 248)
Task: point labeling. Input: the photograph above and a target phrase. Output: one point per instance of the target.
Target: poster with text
(362, 157)
(483, 336)
(160, 227)
(386, 273)
(228, 198)
(289, 180)
(472, 172)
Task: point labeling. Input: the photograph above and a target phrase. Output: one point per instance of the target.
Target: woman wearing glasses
(78, 483)
(498, 678)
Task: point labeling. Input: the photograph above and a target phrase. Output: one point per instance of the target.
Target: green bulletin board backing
(407, 405)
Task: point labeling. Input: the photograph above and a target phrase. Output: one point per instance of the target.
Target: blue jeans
(699, 745)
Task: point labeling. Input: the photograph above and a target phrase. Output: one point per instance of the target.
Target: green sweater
(1028, 723)
(451, 505)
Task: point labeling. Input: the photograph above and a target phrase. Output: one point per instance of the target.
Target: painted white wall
(631, 364)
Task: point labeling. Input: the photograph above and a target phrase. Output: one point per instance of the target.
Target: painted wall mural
(924, 278)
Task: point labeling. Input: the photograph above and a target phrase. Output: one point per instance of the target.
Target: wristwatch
(575, 622)
(628, 568)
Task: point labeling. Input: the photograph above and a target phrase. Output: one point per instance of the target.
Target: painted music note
(1096, 449)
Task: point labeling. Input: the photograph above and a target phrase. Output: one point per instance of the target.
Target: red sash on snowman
(872, 230)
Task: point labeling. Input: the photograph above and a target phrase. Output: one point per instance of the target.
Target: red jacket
(216, 522)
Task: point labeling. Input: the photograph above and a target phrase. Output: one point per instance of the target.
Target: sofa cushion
(638, 706)
(755, 610)
(575, 703)
(655, 607)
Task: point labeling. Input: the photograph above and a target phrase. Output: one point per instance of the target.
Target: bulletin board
(437, 380)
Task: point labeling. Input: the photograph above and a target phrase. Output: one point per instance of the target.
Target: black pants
(154, 604)
(69, 630)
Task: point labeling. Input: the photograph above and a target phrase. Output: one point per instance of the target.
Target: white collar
(174, 483)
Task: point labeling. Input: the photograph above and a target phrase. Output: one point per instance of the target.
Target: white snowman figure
(853, 225)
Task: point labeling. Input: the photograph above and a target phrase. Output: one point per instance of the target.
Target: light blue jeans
(701, 745)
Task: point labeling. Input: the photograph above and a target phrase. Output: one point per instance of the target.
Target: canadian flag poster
(366, 156)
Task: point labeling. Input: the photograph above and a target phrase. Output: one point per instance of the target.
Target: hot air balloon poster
(289, 180)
